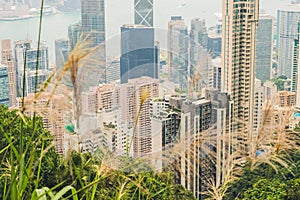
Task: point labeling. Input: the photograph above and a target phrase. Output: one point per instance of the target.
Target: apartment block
(8, 60)
(240, 21)
(135, 97)
(51, 109)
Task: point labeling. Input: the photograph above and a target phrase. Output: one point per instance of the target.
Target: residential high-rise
(4, 85)
(240, 20)
(139, 53)
(61, 52)
(178, 52)
(8, 60)
(165, 126)
(258, 105)
(287, 21)
(104, 97)
(135, 97)
(264, 47)
(197, 166)
(215, 73)
(286, 99)
(143, 12)
(52, 113)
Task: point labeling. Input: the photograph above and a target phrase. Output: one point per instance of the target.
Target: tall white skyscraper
(287, 20)
(240, 20)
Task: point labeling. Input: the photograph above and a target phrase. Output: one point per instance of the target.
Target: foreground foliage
(265, 183)
(31, 169)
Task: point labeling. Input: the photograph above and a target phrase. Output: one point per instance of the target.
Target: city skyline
(199, 100)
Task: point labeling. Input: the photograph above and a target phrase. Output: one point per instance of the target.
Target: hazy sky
(119, 12)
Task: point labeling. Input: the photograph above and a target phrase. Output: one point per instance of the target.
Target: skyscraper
(143, 12)
(4, 86)
(139, 54)
(25, 52)
(199, 32)
(61, 52)
(178, 52)
(287, 20)
(264, 47)
(8, 60)
(198, 51)
(93, 21)
(93, 32)
(74, 33)
(240, 19)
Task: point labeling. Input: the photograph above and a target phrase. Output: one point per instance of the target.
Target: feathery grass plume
(271, 145)
(75, 66)
(144, 96)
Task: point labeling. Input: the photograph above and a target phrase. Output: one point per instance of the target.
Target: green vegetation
(265, 183)
(178, 91)
(279, 82)
(31, 169)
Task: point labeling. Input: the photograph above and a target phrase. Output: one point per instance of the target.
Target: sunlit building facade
(240, 21)
(8, 60)
(51, 109)
(135, 97)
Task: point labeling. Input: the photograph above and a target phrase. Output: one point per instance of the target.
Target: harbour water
(119, 12)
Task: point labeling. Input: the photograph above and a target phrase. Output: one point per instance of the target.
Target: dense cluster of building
(211, 82)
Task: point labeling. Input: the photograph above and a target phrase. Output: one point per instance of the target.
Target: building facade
(135, 97)
(264, 47)
(139, 54)
(74, 34)
(143, 12)
(199, 55)
(178, 52)
(93, 34)
(61, 53)
(26, 53)
(8, 60)
(4, 85)
(240, 19)
(165, 127)
(287, 21)
(93, 21)
(51, 109)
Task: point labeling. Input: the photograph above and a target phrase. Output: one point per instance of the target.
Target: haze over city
(150, 99)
